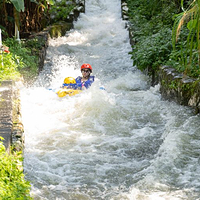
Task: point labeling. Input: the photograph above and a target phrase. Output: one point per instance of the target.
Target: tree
(27, 15)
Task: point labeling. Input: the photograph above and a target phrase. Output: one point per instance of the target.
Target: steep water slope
(120, 143)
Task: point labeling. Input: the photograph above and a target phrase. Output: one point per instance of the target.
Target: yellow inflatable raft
(67, 88)
(67, 92)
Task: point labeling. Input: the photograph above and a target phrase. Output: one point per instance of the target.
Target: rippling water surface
(121, 143)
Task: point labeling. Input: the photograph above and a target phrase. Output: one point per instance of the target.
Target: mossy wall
(179, 88)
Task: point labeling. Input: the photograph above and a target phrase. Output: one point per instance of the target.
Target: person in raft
(80, 83)
(86, 80)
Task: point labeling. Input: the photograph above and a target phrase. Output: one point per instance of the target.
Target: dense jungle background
(162, 32)
(19, 20)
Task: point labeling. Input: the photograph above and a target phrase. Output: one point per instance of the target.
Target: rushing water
(121, 143)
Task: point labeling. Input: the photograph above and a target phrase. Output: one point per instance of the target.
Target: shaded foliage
(151, 26)
(34, 18)
(188, 22)
(61, 10)
(21, 61)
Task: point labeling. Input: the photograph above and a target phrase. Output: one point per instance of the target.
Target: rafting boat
(72, 87)
(69, 88)
(67, 92)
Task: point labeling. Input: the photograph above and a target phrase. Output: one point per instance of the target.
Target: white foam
(103, 144)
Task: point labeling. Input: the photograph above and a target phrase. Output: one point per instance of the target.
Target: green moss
(58, 30)
(173, 85)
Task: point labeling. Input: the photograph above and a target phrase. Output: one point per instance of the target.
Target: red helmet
(86, 66)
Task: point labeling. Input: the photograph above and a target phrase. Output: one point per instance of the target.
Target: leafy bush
(186, 25)
(152, 22)
(13, 185)
(151, 25)
(8, 67)
(60, 10)
(21, 61)
(24, 52)
(152, 51)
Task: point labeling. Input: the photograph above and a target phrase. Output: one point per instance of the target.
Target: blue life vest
(86, 84)
(69, 86)
(78, 85)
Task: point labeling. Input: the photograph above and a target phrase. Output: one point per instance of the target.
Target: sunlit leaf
(18, 4)
(192, 24)
(51, 2)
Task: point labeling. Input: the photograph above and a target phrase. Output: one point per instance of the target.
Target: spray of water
(120, 143)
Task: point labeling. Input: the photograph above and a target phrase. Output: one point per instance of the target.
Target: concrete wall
(180, 88)
(11, 128)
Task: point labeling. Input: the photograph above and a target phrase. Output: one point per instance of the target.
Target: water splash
(124, 142)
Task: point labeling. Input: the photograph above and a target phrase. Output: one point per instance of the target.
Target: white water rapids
(122, 143)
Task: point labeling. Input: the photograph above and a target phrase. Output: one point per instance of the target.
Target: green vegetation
(189, 22)
(21, 61)
(154, 26)
(8, 67)
(60, 10)
(13, 185)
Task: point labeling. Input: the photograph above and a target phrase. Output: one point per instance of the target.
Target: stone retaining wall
(11, 128)
(179, 88)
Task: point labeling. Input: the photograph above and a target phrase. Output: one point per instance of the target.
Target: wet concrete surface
(6, 112)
